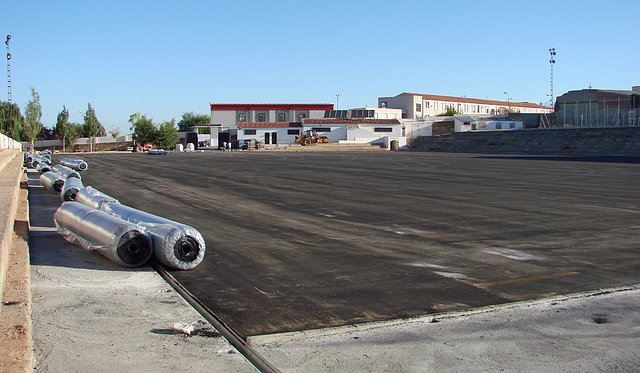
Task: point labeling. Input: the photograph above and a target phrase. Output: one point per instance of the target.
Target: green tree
(92, 126)
(114, 132)
(66, 131)
(143, 128)
(449, 112)
(166, 135)
(33, 115)
(11, 120)
(191, 119)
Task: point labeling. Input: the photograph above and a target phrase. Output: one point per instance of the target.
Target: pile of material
(129, 237)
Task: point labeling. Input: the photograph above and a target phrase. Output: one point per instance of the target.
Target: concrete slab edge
(15, 318)
(10, 176)
(314, 333)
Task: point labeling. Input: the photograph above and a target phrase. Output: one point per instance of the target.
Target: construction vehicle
(309, 137)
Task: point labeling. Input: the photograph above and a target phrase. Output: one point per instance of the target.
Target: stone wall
(572, 141)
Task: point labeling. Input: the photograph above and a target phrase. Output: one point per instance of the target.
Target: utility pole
(552, 61)
(9, 98)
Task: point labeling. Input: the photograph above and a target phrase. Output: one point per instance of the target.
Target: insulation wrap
(122, 242)
(52, 182)
(76, 164)
(70, 189)
(175, 245)
(37, 160)
(65, 171)
(43, 167)
(92, 197)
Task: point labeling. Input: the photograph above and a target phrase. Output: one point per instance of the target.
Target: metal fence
(618, 112)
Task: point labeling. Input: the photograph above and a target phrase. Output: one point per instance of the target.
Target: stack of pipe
(76, 164)
(43, 167)
(65, 171)
(123, 242)
(92, 197)
(52, 182)
(175, 245)
(70, 189)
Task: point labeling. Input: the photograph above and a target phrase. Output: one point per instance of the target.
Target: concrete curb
(323, 332)
(10, 174)
(15, 308)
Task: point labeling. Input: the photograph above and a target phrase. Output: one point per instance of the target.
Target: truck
(309, 137)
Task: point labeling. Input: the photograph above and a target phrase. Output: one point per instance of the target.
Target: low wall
(9, 143)
(573, 141)
(83, 144)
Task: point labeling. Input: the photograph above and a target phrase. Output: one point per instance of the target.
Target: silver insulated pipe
(36, 160)
(52, 182)
(76, 164)
(175, 245)
(122, 242)
(92, 197)
(70, 189)
(65, 171)
(43, 167)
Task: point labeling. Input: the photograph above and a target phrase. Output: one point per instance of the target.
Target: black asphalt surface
(308, 240)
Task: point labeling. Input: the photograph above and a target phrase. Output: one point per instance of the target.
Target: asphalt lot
(309, 240)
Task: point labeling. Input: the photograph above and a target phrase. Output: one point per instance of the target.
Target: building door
(267, 136)
(274, 138)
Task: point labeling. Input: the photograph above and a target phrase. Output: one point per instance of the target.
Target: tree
(191, 119)
(449, 112)
(33, 115)
(92, 126)
(166, 135)
(114, 132)
(143, 129)
(11, 120)
(66, 131)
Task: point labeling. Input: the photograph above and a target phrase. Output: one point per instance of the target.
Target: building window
(383, 129)
(262, 116)
(249, 132)
(242, 116)
(419, 107)
(282, 116)
(321, 129)
(498, 126)
(293, 132)
(301, 115)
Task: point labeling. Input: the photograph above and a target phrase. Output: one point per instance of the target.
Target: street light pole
(338, 101)
(508, 101)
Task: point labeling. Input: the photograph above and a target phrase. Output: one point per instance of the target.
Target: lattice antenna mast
(552, 61)
(9, 98)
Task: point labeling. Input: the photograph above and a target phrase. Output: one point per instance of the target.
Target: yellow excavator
(309, 137)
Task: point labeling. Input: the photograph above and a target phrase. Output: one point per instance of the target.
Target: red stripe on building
(269, 125)
(239, 107)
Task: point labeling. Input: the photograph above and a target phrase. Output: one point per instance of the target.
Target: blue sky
(163, 58)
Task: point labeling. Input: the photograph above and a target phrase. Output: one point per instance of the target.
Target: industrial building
(227, 116)
(420, 106)
(598, 108)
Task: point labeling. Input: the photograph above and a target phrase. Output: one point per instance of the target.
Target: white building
(228, 116)
(419, 106)
(354, 130)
